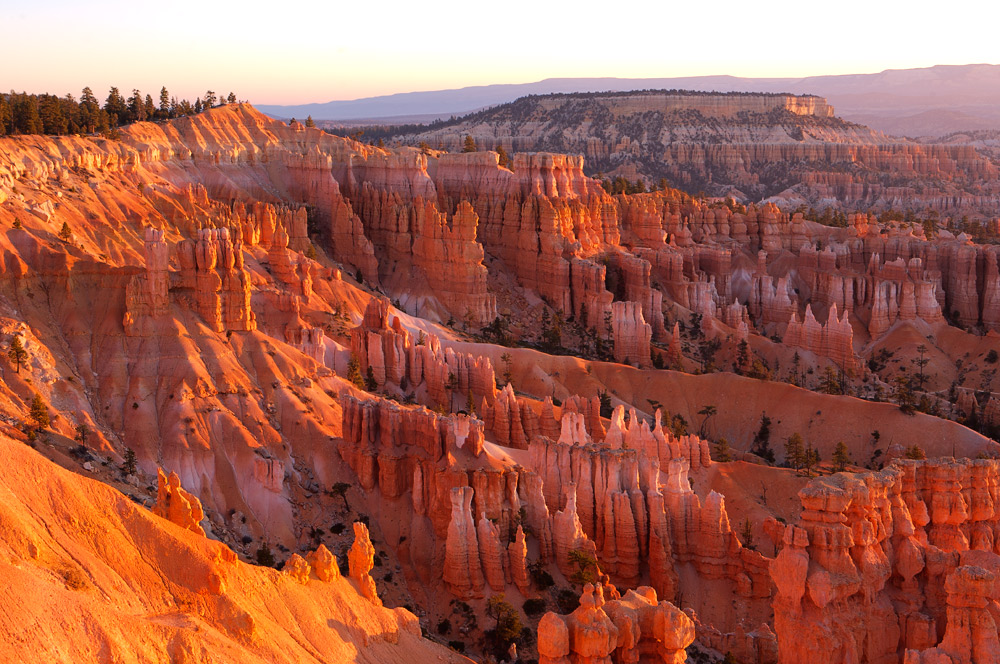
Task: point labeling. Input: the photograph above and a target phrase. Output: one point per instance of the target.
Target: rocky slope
(306, 333)
(753, 146)
(95, 577)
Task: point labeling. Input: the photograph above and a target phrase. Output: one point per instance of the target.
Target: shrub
(541, 578)
(586, 567)
(567, 601)
(535, 606)
(264, 556)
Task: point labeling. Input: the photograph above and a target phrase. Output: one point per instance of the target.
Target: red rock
(631, 334)
(177, 505)
(517, 560)
(324, 564)
(626, 628)
(213, 267)
(148, 294)
(361, 560)
(463, 573)
(382, 343)
(119, 563)
(874, 559)
(436, 263)
(834, 339)
(971, 631)
(491, 553)
(591, 410)
(674, 355)
(568, 535)
(297, 568)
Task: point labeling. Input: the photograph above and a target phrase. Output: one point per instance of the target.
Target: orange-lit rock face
(140, 588)
(891, 563)
(226, 269)
(624, 629)
(177, 505)
(360, 559)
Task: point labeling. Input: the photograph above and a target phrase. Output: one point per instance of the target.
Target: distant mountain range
(752, 146)
(931, 101)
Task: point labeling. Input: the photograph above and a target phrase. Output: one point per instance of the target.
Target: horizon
(100, 93)
(344, 56)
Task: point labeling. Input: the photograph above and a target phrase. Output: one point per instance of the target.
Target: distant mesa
(930, 101)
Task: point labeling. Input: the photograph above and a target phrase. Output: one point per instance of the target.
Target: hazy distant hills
(932, 101)
(752, 146)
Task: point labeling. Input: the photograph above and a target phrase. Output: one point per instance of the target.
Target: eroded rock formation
(177, 505)
(890, 564)
(625, 629)
(360, 559)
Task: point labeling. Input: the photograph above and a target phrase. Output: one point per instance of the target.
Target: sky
(292, 53)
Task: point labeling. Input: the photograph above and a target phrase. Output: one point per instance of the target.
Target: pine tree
(903, 393)
(90, 114)
(17, 354)
(354, 372)
(128, 465)
(921, 362)
(507, 373)
(841, 457)
(605, 401)
(5, 116)
(746, 535)
(115, 107)
(742, 356)
(795, 451)
(914, 452)
(722, 451)
(38, 412)
(231, 99)
(50, 112)
(309, 121)
(164, 111)
(209, 99)
(762, 440)
(340, 489)
(451, 385)
(65, 233)
(504, 158)
(829, 384)
(508, 621)
(25, 118)
(470, 145)
(810, 459)
(136, 107)
(707, 411)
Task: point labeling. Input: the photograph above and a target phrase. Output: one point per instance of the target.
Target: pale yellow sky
(274, 53)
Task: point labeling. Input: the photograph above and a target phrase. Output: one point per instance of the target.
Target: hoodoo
(298, 397)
